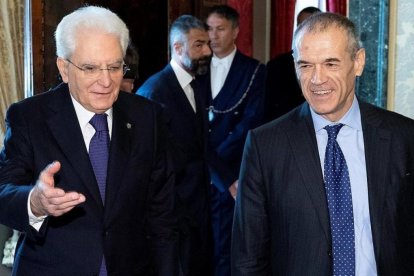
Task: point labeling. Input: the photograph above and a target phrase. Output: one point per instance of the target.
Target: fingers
(233, 194)
(53, 201)
(46, 176)
(233, 189)
(48, 200)
(57, 206)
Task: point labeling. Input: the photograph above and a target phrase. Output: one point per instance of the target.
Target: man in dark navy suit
(176, 89)
(235, 106)
(290, 216)
(84, 172)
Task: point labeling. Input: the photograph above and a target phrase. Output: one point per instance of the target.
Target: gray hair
(320, 22)
(182, 26)
(89, 17)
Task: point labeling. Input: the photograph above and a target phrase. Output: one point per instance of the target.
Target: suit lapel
(183, 103)
(65, 127)
(118, 154)
(201, 116)
(305, 151)
(179, 94)
(230, 87)
(377, 143)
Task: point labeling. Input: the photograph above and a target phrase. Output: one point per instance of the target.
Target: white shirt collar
(84, 115)
(226, 61)
(184, 78)
(352, 118)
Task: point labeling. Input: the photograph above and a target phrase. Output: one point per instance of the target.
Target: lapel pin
(128, 125)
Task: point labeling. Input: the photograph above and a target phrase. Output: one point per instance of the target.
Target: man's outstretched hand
(46, 200)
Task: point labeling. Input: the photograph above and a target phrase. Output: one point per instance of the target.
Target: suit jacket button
(329, 253)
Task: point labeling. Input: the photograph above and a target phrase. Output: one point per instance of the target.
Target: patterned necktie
(338, 191)
(99, 151)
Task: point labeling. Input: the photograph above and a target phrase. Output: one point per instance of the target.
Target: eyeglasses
(92, 71)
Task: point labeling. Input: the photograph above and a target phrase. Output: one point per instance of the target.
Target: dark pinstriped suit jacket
(281, 224)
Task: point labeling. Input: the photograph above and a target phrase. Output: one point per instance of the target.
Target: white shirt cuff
(35, 222)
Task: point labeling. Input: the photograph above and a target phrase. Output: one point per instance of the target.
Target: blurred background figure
(131, 60)
(175, 88)
(235, 106)
(283, 92)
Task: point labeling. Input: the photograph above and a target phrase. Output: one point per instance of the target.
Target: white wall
(403, 73)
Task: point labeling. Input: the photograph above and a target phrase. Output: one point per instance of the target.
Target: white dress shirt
(220, 68)
(84, 116)
(184, 78)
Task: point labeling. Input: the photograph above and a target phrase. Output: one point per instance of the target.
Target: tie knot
(333, 130)
(99, 122)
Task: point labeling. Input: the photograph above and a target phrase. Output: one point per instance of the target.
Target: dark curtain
(282, 20)
(336, 6)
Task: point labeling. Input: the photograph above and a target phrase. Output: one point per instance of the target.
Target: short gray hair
(320, 22)
(89, 17)
(182, 26)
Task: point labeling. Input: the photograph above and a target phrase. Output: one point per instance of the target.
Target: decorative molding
(371, 19)
(28, 50)
(392, 55)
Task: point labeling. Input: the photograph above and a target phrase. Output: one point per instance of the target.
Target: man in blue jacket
(235, 106)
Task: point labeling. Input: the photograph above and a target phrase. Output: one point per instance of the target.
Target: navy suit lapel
(179, 94)
(118, 153)
(230, 86)
(201, 115)
(63, 124)
(199, 118)
(305, 151)
(377, 143)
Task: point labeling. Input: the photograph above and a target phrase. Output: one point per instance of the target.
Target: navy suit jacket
(135, 227)
(281, 224)
(187, 136)
(240, 106)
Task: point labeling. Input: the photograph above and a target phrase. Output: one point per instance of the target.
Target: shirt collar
(84, 115)
(226, 61)
(352, 118)
(184, 78)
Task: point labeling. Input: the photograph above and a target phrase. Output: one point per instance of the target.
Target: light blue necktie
(338, 191)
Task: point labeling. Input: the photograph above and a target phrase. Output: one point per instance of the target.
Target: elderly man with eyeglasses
(84, 172)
